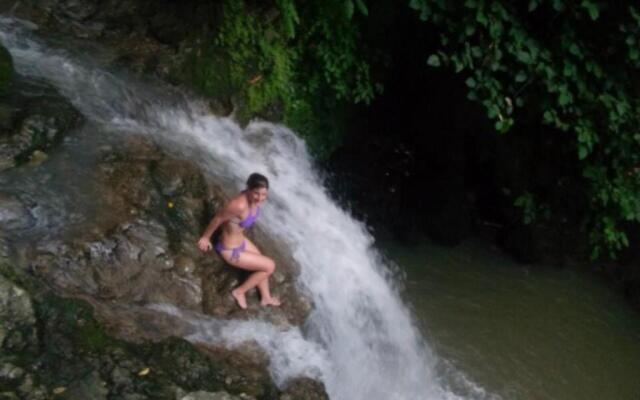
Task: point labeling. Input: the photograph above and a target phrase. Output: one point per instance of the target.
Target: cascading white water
(359, 339)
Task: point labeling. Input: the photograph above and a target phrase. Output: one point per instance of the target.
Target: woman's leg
(261, 265)
(263, 286)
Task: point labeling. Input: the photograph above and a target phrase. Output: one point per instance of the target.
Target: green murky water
(523, 332)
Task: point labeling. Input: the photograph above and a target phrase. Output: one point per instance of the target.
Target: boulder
(13, 213)
(10, 374)
(141, 246)
(90, 386)
(17, 319)
(304, 388)
(33, 122)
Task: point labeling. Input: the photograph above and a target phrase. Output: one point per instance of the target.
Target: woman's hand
(204, 244)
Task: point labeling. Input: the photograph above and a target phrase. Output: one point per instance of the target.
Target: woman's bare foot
(240, 298)
(273, 301)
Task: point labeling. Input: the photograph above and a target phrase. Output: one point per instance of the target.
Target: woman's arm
(222, 216)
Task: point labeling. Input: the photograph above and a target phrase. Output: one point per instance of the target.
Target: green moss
(72, 344)
(17, 276)
(259, 65)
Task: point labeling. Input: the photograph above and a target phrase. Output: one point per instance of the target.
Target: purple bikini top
(247, 222)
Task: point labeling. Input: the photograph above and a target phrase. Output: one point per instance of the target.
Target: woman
(238, 251)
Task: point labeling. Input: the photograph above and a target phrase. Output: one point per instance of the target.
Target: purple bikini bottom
(235, 251)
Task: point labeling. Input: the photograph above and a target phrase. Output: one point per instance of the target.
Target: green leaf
(635, 14)
(416, 4)
(362, 7)
(592, 9)
(558, 5)
(582, 152)
(574, 49)
(433, 60)
(565, 98)
(521, 76)
(502, 126)
(348, 8)
(533, 4)
(471, 82)
(481, 17)
(524, 57)
(470, 30)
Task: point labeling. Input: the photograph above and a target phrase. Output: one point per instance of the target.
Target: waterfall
(359, 339)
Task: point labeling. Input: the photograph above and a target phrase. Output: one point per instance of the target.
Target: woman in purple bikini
(237, 215)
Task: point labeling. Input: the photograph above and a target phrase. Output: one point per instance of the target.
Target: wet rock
(134, 396)
(10, 374)
(33, 122)
(304, 388)
(141, 250)
(4, 249)
(201, 395)
(78, 10)
(37, 158)
(13, 214)
(89, 387)
(121, 379)
(17, 331)
(131, 264)
(29, 390)
(148, 254)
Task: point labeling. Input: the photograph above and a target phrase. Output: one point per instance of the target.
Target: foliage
(571, 64)
(531, 209)
(275, 69)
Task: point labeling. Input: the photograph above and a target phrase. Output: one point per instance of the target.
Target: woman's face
(257, 195)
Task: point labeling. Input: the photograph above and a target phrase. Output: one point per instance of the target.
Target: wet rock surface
(145, 35)
(13, 213)
(17, 316)
(56, 331)
(158, 38)
(137, 251)
(136, 255)
(141, 246)
(34, 118)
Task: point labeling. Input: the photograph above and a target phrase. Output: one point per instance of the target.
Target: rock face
(16, 313)
(33, 118)
(145, 35)
(141, 247)
(139, 251)
(13, 213)
(42, 333)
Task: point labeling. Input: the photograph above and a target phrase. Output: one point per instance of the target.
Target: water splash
(359, 339)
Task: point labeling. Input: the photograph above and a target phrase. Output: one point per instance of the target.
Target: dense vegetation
(562, 70)
(298, 63)
(571, 64)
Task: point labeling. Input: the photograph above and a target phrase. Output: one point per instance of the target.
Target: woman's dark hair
(257, 180)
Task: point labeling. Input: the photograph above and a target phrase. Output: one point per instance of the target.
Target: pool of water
(522, 332)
